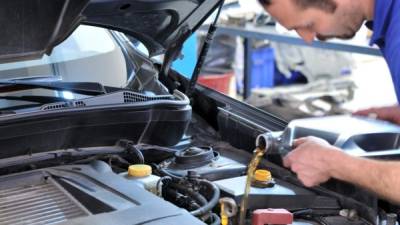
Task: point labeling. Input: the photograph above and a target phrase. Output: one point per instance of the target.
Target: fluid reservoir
(281, 195)
(142, 176)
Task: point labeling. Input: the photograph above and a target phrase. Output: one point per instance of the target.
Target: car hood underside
(32, 28)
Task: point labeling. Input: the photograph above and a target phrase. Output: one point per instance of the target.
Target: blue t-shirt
(386, 34)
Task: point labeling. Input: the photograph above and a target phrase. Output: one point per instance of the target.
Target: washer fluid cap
(262, 175)
(139, 170)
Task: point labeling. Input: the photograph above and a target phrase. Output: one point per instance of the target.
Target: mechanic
(313, 159)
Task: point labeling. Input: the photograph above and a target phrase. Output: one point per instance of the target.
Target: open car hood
(31, 28)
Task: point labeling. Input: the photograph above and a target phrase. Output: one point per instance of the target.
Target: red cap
(272, 216)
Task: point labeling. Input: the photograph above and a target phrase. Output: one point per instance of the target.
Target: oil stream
(257, 155)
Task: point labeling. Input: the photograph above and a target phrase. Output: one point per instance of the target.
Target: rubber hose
(200, 199)
(137, 152)
(216, 219)
(211, 203)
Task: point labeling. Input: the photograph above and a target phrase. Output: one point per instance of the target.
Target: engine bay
(189, 184)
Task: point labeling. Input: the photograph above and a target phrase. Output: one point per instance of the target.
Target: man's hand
(389, 113)
(311, 160)
(316, 161)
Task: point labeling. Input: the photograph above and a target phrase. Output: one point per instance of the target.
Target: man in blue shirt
(312, 159)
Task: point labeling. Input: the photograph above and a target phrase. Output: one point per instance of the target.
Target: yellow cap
(139, 170)
(262, 175)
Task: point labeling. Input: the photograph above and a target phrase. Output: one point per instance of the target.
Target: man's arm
(315, 161)
(379, 177)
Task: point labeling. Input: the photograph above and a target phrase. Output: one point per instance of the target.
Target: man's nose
(306, 35)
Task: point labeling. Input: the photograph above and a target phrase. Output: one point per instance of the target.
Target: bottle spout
(264, 141)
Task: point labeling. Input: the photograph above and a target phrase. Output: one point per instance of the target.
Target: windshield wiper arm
(85, 88)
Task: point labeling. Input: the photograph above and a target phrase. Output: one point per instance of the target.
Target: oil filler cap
(139, 170)
(262, 175)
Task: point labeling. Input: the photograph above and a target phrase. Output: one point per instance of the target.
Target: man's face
(311, 23)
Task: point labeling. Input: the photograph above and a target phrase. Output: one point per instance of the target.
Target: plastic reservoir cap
(139, 170)
(262, 175)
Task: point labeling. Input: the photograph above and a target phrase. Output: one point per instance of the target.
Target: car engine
(189, 183)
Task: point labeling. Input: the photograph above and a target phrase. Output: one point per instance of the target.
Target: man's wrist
(337, 162)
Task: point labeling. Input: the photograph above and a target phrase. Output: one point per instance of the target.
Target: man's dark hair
(327, 5)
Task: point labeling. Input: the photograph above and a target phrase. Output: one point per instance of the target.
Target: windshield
(90, 54)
